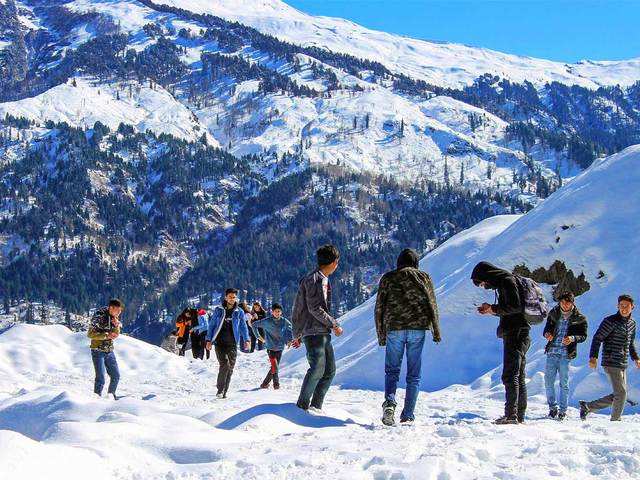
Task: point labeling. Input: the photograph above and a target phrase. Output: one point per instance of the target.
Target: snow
(169, 425)
(89, 102)
(590, 224)
(446, 64)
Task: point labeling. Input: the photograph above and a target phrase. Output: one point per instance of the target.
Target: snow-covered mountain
(589, 225)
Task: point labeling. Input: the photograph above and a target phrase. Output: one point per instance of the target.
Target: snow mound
(591, 225)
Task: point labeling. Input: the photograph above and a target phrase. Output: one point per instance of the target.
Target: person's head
(245, 307)
(276, 310)
(116, 306)
(485, 275)
(257, 307)
(625, 305)
(328, 258)
(407, 258)
(230, 296)
(567, 301)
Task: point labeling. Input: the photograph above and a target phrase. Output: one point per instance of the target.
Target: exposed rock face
(558, 275)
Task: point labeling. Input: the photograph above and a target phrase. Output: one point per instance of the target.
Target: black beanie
(407, 258)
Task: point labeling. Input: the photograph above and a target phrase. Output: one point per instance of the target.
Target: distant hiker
(617, 335)
(405, 308)
(514, 329)
(257, 313)
(278, 333)
(313, 323)
(565, 328)
(104, 328)
(226, 329)
(183, 324)
(199, 334)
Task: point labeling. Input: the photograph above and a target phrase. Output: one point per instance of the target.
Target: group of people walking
(406, 308)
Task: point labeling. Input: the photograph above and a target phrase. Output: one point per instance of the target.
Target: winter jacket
(238, 323)
(202, 324)
(100, 326)
(508, 306)
(617, 335)
(577, 329)
(406, 301)
(310, 309)
(184, 323)
(277, 332)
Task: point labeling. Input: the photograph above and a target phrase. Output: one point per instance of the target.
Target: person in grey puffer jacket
(313, 324)
(617, 335)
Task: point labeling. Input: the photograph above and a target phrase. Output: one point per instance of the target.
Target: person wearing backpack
(226, 329)
(183, 324)
(616, 334)
(278, 333)
(565, 328)
(514, 330)
(198, 334)
(405, 309)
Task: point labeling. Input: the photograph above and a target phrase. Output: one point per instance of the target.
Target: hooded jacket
(508, 306)
(577, 329)
(406, 300)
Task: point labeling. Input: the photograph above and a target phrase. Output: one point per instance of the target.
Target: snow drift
(591, 225)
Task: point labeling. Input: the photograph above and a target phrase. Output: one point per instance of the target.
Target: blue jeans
(397, 342)
(557, 364)
(322, 369)
(101, 361)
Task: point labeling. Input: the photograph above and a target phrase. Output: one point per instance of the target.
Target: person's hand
(567, 340)
(208, 346)
(637, 362)
(112, 335)
(548, 336)
(337, 330)
(593, 363)
(485, 309)
(116, 322)
(261, 339)
(247, 345)
(437, 339)
(295, 343)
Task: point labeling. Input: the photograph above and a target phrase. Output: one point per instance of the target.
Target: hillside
(587, 225)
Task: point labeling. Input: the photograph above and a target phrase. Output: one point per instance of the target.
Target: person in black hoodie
(514, 329)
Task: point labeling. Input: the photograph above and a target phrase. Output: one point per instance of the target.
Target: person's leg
(270, 373)
(394, 352)
(113, 371)
(277, 356)
(525, 343)
(253, 340)
(618, 377)
(563, 370)
(550, 372)
(511, 375)
(415, 344)
(314, 345)
(223, 361)
(602, 402)
(327, 377)
(232, 355)
(98, 365)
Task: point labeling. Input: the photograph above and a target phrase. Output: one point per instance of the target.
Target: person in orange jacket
(183, 323)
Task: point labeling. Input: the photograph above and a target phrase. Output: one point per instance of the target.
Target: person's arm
(315, 301)
(632, 346)
(244, 330)
(549, 327)
(433, 306)
(508, 298)
(604, 330)
(582, 333)
(211, 326)
(381, 299)
(288, 331)
(95, 334)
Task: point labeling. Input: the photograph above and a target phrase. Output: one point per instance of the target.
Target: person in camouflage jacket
(103, 329)
(405, 309)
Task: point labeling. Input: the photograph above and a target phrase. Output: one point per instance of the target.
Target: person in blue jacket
(278, 333)
(199, 335)
(226, 329)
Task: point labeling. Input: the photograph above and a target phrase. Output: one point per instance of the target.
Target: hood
(489, 273)
(407, 258)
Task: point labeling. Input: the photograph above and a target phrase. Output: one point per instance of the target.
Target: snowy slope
(446, 64)
(169, 425)
(590, 224)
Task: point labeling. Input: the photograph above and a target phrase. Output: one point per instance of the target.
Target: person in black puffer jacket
(514, 331)
(617, 335)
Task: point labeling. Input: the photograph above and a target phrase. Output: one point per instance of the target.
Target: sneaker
(276, 386)
(584, 410)
(264, 386)
(407, 421)
(562, 416)
(506, 421)
(553, 412)
(114, 396)
(316, 410)
(388, 413)
(220, 395)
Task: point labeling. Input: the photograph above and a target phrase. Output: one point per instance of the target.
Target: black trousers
(274, 360)
(197, 344)
(255, 343)
(516, 345)
(226, 355)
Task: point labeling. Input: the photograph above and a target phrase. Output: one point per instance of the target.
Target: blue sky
(563, 30)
